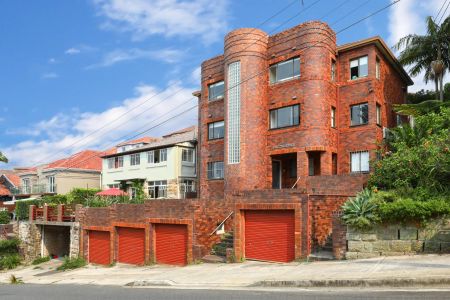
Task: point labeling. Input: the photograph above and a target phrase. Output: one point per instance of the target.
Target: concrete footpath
(401, 271)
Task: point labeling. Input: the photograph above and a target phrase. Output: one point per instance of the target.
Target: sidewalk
(423, 270)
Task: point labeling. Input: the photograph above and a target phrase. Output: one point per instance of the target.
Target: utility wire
(264, 71)
(443, 14)
(440, 9)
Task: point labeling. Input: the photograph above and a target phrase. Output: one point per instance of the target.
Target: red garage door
(171, 244)
(131, 245)
(269, 235)
(99, 247)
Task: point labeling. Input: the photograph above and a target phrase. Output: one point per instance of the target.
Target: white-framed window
(187, 185)
(51, 184)
(26, 186)
(115, 162)
(333, 70)
(215, 170)
(157, 156)
(234, 113)
(377, 68)
(359, 114)
(285, 70)
(135, 159)
(157, 189)
(216, 130)
(359, 67)
(187, 155)
(359, 161)
(333, 117)
(216, 91)
(285, 116)
(378, 114)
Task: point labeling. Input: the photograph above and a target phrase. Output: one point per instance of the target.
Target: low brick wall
(394, 240)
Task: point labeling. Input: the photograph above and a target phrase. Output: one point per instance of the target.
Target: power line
(440, 9)
(264, 71)
(142, 103)
(443, 14)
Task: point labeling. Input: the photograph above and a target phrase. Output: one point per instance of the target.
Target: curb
(387, 282)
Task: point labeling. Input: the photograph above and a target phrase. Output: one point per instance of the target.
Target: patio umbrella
(112, 192)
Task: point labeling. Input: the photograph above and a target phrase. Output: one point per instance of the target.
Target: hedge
(22, 208)
(4, 217)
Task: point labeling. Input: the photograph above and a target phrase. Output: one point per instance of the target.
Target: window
(187, 186)
(115, 162)
(358, 68)
(333, 117)
(26, 186)
(51, 184)
(378, 114)
(135, 159)
(398, 120)
(114, 185)
(216, 90)
(187, 155)
(359, 161)
(285, 117)
(216, 130)
(157, 156)
(334, 164)
(133, 193)
(285, 70)
(215, 170)
(333, 70)
(157, 189)
(377, 69)
(234, 113)
(359, 114)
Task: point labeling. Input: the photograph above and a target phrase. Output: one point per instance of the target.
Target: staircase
(219, 250)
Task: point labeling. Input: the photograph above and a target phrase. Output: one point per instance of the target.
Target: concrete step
(213, 259)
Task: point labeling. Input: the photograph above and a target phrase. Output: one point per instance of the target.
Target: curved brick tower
(246, 77)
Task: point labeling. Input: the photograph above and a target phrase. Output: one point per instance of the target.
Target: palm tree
(429, 53)
(3, 158)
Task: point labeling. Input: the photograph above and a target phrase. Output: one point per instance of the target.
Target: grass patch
(9, 261)
(40, 260)
(15, 280)
(72, 263)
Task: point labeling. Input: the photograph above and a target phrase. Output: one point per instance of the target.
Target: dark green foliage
(9, 246)
(22, 208)
(360, 212)
(9, 257)
(72, 263)
(4, 217)
(9, 261)
(81, 196)
(40, 260)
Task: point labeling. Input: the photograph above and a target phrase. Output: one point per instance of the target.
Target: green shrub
(9, 261)
(22, 208)
(412, 211)
(72, 263)
(40, 260)
(4, 217)
(81, 196)
(9, 246)
(360, 212)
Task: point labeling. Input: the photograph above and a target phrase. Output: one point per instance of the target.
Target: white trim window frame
(115, 162)
(359, 162)
(285, 70)
(157, 189)
(135, 159)
(157, 156)
(215, 170)
(187, 155)
(216, 130)
(216, 91)
(359, 67)
(51, 184)
(286, 116)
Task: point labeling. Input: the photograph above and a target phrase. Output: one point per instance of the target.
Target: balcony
(35, 189)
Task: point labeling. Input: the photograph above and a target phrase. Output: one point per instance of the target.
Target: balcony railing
(47, 213)
(34, 189)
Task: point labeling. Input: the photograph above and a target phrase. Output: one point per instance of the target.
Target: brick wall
(339, 236)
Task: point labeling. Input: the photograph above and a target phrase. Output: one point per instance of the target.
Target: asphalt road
(69, 292)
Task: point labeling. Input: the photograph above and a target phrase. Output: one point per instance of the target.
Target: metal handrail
(221, 223)
(295, 182)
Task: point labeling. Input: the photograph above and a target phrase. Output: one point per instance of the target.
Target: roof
(11, 176)
(188, 134)
(381, 45)
(145, 140)
(4, 191)
(85, 160)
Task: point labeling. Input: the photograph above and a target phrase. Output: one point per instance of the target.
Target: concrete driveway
(250, 273)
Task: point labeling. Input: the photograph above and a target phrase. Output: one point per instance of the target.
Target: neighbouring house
(9, 182)
(165, 167)
(80, 170)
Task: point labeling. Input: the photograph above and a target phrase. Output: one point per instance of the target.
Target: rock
(408, 233)
(400, 246)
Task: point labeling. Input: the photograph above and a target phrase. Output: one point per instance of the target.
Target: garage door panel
(269, 235)
(171, 244)
(99, 247)
(131, 248)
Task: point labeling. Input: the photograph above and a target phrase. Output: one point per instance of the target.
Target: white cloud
(72, 51)
(50, 136)
(189, 18)
(119, 55)
(408, 17)
(52, 60)
(50, 75)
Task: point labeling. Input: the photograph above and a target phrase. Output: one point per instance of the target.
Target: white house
(166, 166)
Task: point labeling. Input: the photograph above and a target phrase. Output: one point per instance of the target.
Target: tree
(429, 53)
(3, 158)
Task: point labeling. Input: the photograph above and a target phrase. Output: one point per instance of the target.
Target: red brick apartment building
(276, 111)
(288, 125)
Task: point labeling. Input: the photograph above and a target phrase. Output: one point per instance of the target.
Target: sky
(87, 74)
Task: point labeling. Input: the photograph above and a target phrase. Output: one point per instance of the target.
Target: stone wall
(30, 237)
(399, 240)
(75, 231)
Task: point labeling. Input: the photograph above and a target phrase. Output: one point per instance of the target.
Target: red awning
(112, 192)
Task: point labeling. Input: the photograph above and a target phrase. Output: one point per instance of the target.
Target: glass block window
(216, 91)
(285, 70)
(284, 117)
(359, 114)
(359, 67)
(234, 111)
(359, 161)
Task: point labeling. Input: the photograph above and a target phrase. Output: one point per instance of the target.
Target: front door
(276, 174)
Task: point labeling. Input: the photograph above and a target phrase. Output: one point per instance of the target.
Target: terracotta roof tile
(87, 160)
(4, 191)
